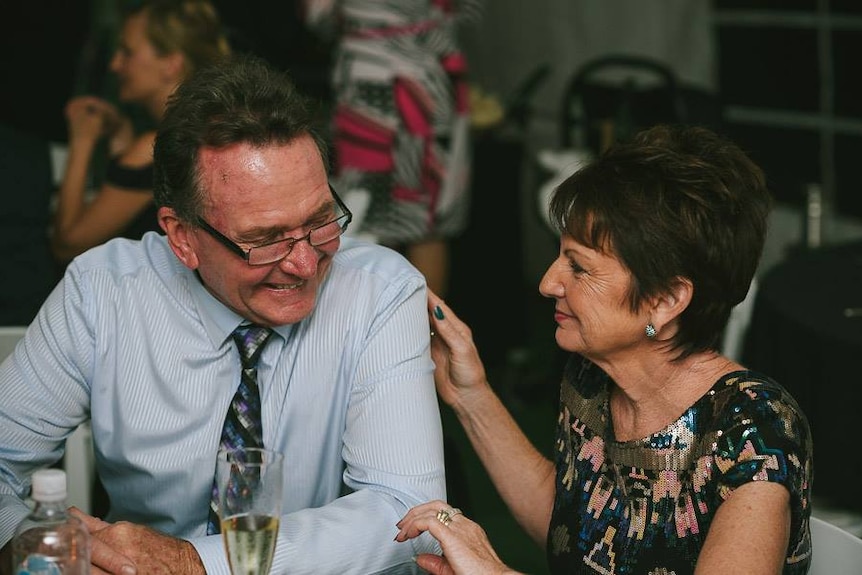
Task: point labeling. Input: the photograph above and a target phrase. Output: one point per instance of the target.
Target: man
(138, 337)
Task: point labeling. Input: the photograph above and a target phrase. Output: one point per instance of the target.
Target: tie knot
(249, 339)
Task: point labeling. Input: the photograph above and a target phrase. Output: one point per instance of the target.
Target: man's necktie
(242, 424)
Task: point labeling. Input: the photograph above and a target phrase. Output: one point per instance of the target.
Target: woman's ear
(669, 305)
(174, 67)
(180, 237)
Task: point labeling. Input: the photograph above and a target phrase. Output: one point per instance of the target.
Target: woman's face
(142, 73)
(592, 308)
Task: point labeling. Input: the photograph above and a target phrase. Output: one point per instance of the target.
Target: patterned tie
(242, 424)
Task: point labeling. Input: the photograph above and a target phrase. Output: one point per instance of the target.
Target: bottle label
(36, 564)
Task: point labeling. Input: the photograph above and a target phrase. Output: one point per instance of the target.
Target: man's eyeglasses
(280, 249)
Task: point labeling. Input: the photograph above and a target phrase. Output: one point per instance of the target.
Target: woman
(669, 458)
(400, 125)
(161, 42)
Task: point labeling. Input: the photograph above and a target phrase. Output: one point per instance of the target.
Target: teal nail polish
(438, 312)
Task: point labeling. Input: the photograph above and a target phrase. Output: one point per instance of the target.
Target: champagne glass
(249, 484)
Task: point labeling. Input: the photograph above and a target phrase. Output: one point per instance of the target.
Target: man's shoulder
(121, 257)
(366, 257)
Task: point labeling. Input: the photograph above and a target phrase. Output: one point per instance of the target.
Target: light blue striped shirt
(131, 340)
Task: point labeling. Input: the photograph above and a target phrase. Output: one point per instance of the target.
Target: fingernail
(128, 570)
(438, 312)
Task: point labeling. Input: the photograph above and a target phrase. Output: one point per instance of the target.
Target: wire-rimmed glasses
(278, 250)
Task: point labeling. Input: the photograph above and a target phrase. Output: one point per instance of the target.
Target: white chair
(560, 164)
(80, 460)
(9, 336)
(733, 340)
(834, 551)
(358, 200)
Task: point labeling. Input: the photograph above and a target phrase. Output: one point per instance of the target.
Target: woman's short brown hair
(674, 202)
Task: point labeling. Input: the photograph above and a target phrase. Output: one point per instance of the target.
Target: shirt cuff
(211, 551)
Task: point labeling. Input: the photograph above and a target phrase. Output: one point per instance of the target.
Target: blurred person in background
(400, 123)
(669, 457)
(161, 43)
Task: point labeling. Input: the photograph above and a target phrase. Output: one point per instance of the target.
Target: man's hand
(124, 548)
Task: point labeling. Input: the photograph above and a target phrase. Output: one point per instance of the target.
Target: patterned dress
(400, 128)
(644, 507)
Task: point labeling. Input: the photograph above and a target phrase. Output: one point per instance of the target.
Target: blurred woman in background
(161, 42)
(401, 122)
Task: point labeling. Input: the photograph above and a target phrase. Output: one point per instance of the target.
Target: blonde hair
(191, 27)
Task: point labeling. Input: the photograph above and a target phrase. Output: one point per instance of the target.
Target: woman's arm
(80, 225)
(523, 477)
(750, 532)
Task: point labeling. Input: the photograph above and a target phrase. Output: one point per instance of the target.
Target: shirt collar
(218, 320)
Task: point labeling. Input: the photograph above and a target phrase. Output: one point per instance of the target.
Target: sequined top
(645, 506)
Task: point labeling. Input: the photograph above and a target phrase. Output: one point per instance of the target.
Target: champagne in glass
(250, 486)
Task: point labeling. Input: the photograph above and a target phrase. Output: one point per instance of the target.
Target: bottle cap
(49, 485)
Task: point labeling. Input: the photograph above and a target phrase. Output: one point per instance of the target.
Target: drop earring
(650, 331)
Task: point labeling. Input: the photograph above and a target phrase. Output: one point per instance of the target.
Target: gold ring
(445, 516)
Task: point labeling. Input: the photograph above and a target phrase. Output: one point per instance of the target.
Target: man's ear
(180, 237)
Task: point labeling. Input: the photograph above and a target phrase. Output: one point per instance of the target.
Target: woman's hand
(91, 118)
(458, 368)
(466, 548)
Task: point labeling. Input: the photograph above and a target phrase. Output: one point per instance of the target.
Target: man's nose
(302, 260)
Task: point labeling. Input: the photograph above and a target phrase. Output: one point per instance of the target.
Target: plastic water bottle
(49, 541)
